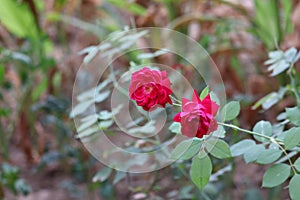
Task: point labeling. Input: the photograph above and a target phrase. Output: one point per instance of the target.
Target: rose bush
(197, 117)
(150, 88)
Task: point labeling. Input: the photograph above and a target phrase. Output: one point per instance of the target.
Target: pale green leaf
(276, 175)
(81, 108)
(175, 127)
(252, 154)
(293, 114)
(269, 156)
(231, 110)
(264, 128)
(297, 164)
(102, 175)
(294, 187)
(241, 147)
(292, 138)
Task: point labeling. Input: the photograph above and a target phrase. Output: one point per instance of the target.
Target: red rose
(150, 88)
(197, 117)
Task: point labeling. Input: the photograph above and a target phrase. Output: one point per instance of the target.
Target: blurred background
(39, 44)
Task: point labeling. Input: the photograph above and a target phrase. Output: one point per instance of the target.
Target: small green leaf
(252, 154)
(2, 73)
(218, 148)
(36, 93)
(200, 171)
(102, 175)
(241, 147)
(293, 114)
(204, 93)
(175, 127)
(231, 110)
(80, 108)
(264, 128)
(294, 187)
(292, 138)
(297, 164)
(118, 177)
(276, 175)
(269, 156)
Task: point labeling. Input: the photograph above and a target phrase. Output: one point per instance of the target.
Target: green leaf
(18, 19)
(252, 154)
(241, 147)
(102, 175)
(292, 138)
(39, 90)
(80, 108)
(204, 93)
(297, 164)
(2, 73)
(269, 156)
(264, 128)
(175, 127)
(294, 187)
(218, 148)
(88, 132)
(200, 171)
(186, 149)
(276, 175)
(118, 177)
(293, 114)
(231, 110)
(220, 132)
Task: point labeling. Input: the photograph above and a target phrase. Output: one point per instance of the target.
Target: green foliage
(264, 128)
(200, 171)
(231, 110)
(294, 187)
(276, 175)
(218, 148)
(186, 149)
(292, 138)
(17, 18)
(293, 114)
(102, 175)
(10, 178)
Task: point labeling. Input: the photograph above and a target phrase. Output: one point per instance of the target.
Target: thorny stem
(277, 142)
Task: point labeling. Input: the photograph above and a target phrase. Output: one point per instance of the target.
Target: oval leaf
(294, 187)
(200, 171)
(232, 110)
(241, 147)
(292, 138)
(264, 128)
(218, 148)
(276, 175)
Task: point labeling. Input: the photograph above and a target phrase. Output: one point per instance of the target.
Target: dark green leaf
(218, 148)
(200, 171)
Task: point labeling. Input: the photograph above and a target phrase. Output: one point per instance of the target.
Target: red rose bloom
(197, 117)
(150, 88)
